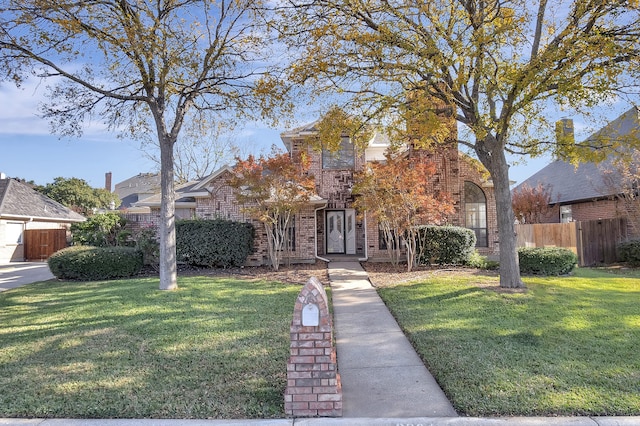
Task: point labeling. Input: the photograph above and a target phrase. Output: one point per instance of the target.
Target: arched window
(475, 212)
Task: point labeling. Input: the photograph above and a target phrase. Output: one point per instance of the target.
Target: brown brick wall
(592, 210)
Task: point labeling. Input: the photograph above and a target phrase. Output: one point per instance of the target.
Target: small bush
(629, 252)
(445, 245)
(481, 262)
(546, 261)
(214, 243)
(87, 263)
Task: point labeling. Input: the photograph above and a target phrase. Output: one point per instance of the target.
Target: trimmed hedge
(88, 263)
(546, 261)
(214, 243)
(629, 252)
(445, 245)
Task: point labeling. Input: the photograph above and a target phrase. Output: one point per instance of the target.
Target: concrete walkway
(382, 376)
(16, 274)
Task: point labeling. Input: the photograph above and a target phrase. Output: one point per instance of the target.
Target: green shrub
(546, 261)
(146, 239)
(445, 245)
(214, 243)
(101, 230)
(88, 263)
(629, 252)
(476, 260)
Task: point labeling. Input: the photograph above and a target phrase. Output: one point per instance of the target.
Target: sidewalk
(381, 374)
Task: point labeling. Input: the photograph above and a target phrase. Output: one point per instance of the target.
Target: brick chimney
(107, 181)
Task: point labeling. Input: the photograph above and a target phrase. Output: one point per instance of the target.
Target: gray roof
(181, 192)
(137, 188)
(18, 200)
(568, 183)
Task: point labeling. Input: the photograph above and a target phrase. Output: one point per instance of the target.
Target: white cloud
(19, 113)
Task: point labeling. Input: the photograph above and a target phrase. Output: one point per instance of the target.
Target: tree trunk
(168, 265)
(273, 244)
(495, 161)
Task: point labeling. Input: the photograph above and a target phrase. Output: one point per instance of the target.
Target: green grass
(215, 348)
(566, 346)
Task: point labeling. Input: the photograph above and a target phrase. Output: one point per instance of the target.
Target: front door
(341, 232)
(335, 232)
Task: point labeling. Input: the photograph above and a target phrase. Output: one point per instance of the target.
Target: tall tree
(495, 64)
(145, 67)
(398, 193)
(76, 194)
(273, 190)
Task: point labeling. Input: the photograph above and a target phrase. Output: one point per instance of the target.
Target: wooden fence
(39, 244)
(593, 241)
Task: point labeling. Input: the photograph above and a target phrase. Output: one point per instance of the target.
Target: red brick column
(313, 382)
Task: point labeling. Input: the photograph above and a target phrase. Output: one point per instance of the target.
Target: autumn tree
(496, 65)
(398, 194)
(146, 68)
(273, 190)
(78, 195)
(532, 205)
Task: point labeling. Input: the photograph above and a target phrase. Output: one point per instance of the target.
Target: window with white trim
(343, 158)
(475, 210)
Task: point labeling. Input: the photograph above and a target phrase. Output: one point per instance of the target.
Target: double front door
(341, 231)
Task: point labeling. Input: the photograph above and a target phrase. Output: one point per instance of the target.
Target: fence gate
(39, 244)
(598, 240)
(594, 241)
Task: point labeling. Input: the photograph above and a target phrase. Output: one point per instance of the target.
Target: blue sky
(30, 151)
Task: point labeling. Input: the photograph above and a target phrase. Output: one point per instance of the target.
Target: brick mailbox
(313, 382)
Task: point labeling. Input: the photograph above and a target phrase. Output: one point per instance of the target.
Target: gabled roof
(183, 198)
(201, 185)
(19, 201)
(137, 188)
(375, 149)
(568, 183)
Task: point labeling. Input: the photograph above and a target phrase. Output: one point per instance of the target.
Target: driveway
(15, 274)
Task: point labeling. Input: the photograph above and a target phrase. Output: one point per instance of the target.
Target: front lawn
(566, 346)
(215, 348)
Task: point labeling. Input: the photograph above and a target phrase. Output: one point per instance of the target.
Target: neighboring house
(330, 225)
(588, 191)
(23, 211)
(137, 188)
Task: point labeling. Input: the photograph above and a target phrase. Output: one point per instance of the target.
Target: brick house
(588, 191)
(330, 226)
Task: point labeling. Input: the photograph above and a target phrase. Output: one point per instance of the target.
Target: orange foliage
(398, 194)
(532, 205)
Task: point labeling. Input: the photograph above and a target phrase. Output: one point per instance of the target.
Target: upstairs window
(343, 158)
(475, 209)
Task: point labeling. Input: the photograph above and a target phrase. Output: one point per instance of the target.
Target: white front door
(335, 232)
(350, 231)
